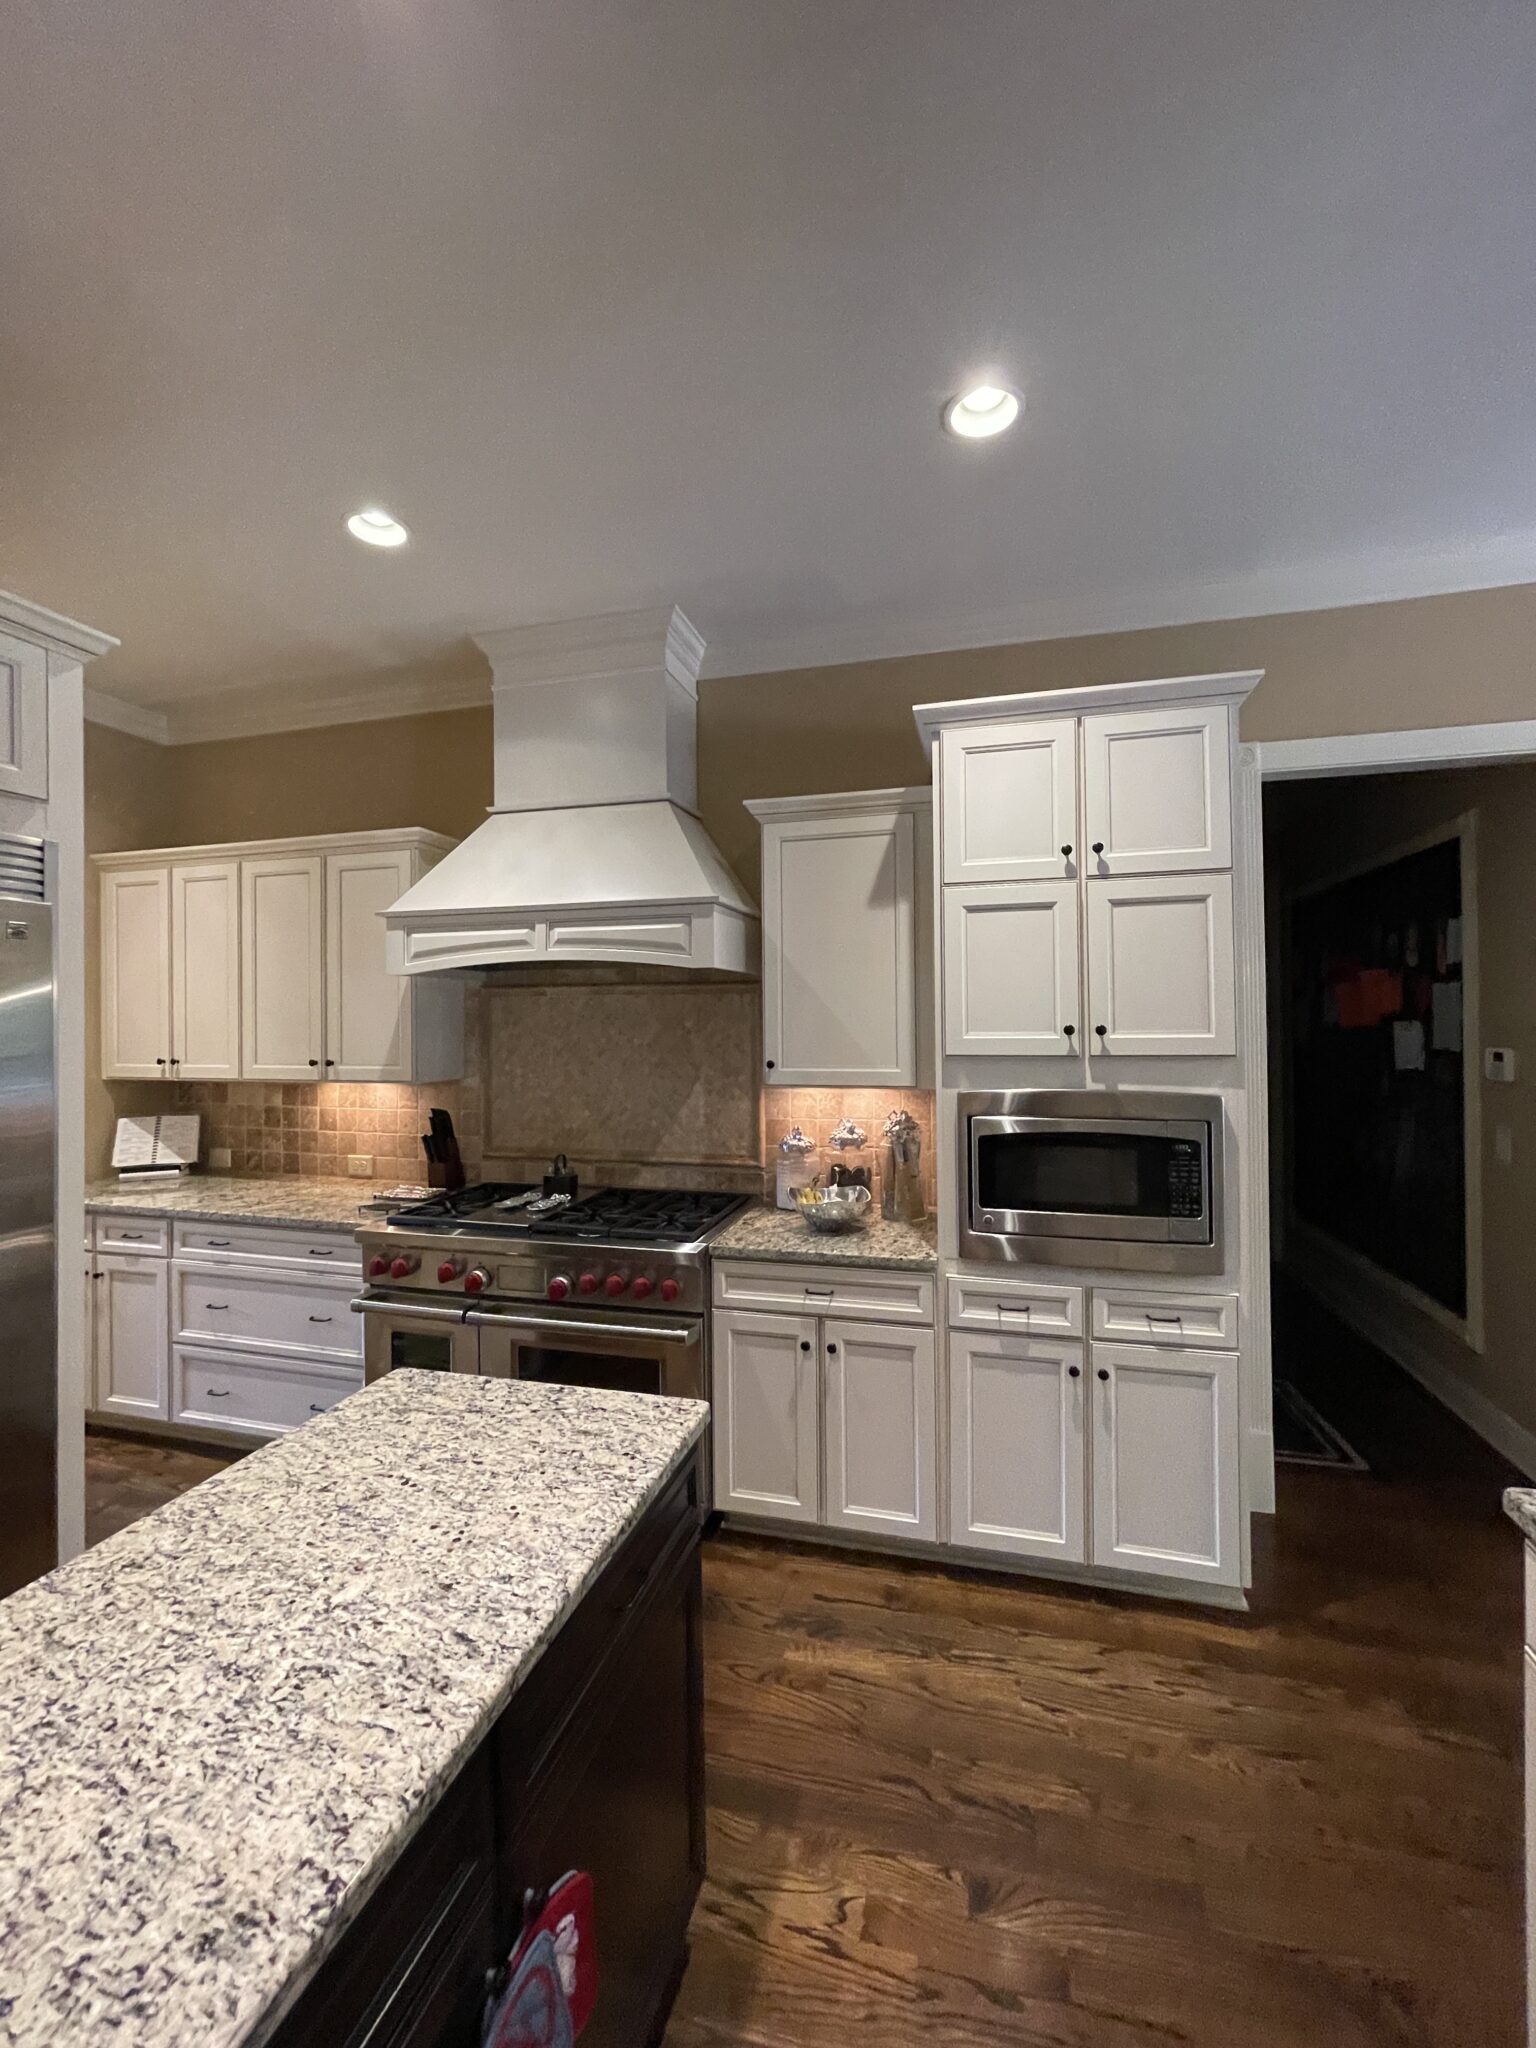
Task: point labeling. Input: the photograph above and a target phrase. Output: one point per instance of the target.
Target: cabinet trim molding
(1232, 686)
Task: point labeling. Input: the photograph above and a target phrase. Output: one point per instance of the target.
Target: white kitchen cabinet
(880, 1391)
(1157, 790)
(1018, 1457)
(23, 717)
(205, 971)
(132, 1336)
(136, 973)
(1165, 1462)
(842, 881)
(368, 1013)
(282, 912)
(1010, 969)
(766, 1416)
(1009, 796)
(1160, 966)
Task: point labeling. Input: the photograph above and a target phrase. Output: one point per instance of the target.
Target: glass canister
(851, 1166)
(901, 1169)
(795, 1166)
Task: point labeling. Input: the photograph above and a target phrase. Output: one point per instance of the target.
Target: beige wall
(1315, 830)
(1366, 668)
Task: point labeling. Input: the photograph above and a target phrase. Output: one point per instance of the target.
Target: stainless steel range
(609, 1289)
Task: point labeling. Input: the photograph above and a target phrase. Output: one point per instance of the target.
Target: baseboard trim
(1509, 1438)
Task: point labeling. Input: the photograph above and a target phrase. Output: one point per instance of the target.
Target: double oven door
(633, 1354)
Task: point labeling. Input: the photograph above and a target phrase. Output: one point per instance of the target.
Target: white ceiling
(619, 303)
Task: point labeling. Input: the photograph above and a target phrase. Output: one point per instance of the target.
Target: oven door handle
(410, 1312)
(549, 1326)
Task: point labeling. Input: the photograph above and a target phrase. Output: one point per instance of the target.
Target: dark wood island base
(596, 1764)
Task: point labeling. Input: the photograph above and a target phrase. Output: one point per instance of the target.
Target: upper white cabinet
(23, 717)
(1157, 790)
(1160, 966)
(845, 938)
(1165, 1462)
(1011, 969)
(1010, 801)
(267, 963)
(282, 913)
(205, 971)
(136, 973)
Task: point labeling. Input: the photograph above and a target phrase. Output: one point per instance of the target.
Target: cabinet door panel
(1165, 1462)
(136, 974)
(205, 971)
(23, 718)
(132, 1335)
(880, 1394)
(766, 1416)
(1010, 800)
(1158, 790)
(281, 916)
(1017, 1454)
(368, 1009)
(1011, 970)
(839, 994)
(1160, 966)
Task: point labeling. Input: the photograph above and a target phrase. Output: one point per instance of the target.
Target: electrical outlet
(220, 1159)
(360, 1165)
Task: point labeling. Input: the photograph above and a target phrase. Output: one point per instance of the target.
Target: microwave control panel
(1186, 1178)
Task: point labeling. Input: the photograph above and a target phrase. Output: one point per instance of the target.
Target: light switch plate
(1499, 1063)
(1504, 1144)
(220, 1159)
(360, 1165)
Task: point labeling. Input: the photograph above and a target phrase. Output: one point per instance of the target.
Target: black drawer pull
(131, 1236)
(320, 1319)
(218, 1244)
(220, 1306)
(320, 1255)
(218, 1393)
(317, 1408)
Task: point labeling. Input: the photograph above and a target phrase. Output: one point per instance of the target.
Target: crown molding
(299, 707)
(1374, 578)
(1232, 687)
(610, 643)
(138, 719)
(52, 630)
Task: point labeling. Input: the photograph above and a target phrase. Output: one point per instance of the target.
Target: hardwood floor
(959, 1810)
(965, 1811)
(126, 1477)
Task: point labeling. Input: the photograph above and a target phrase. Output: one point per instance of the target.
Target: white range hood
(592, 850)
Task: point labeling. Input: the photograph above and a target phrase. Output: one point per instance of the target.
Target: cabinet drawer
(132, 1234)
(1142, 1315)
(324, 1251)
(226, 1390)
(877, 1293)
(1036, 1308)
(263, 1311)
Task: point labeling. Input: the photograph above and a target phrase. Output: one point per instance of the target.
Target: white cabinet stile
(1017, 1445)
(880, 1394)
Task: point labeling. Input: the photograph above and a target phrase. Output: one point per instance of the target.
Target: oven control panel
(572, 1276)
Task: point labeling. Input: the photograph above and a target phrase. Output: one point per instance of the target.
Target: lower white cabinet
(252, 1397)
(131, 1334)
(1166, 1495)
(826, 1420)
(880, 1391)
(1016, 1445)
(767, 1431)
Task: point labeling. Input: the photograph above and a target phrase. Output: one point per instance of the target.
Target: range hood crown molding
(613, 644)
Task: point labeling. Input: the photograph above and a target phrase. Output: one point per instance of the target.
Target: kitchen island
(279, 1762)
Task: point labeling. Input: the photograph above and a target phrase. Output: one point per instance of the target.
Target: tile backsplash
(304, 1128)
(819, 1111)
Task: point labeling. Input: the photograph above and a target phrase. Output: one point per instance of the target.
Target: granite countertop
(326, 1204)
(763, 1232)
(1520, 1506)
(222, 1725)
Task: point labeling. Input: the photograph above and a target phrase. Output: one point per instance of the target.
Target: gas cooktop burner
(658, 1216)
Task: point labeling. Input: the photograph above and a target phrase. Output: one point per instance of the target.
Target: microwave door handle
(549, 1326)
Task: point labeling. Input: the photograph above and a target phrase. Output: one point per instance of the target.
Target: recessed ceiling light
(378, 528)
(976, 415)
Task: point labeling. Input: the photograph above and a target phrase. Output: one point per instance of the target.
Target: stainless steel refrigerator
(28, 1251)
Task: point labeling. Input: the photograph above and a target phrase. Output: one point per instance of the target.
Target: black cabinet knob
(1101, 1030)
(1103, 1375)
(314, 1063)
(832, 1351)
(1098, 846)
(1066, 853)
(1074, 1372)
(805, 1343)
(1070, 1030)
(770, 1065)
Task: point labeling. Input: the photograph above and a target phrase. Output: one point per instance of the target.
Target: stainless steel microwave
(1124, 1178)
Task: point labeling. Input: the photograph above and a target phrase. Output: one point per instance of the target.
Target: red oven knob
(616, 1283)
(403, 1265)
(670, 1290)
(588, 1283)
(378, 1267)
(643, 1286)
(448, 1270)
(477, 1282)
(558, 1288)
